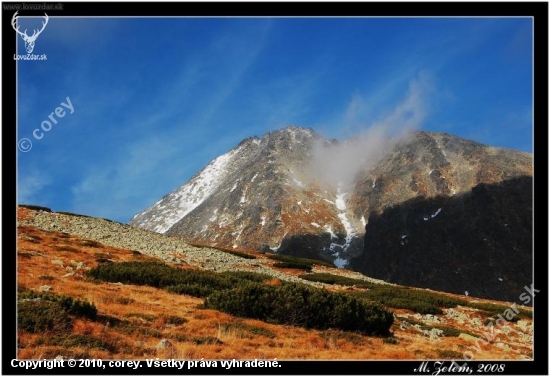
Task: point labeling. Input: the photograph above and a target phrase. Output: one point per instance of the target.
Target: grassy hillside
(82, 298)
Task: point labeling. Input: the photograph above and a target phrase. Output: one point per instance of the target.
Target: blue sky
(156, 99)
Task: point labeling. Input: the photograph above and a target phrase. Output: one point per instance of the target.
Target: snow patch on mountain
(275, 249)
(213, 218)
(426, 218)
(298, 182)
(350, 231)
(235, 244)
(340, 263)
(178, 204)
(441, 149)
(329, 230)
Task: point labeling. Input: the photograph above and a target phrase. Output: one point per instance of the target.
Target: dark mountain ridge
(480, 242)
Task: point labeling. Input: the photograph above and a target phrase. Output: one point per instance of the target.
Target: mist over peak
(336, 163)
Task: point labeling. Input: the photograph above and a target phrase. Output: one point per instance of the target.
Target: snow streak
(350, 232)
(189, 196)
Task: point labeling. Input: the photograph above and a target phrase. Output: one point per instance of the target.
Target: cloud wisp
(337, 163)
(31, 186)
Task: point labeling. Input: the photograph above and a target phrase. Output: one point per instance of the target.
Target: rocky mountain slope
(163, 247)
(266, 194)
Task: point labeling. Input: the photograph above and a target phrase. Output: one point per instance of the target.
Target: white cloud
(30, 185)
(340, 162)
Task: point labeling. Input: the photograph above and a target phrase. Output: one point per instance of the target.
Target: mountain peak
(272, 194)
(294, 131)
(293, 128)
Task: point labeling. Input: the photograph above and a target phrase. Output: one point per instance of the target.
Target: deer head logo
(29, 40)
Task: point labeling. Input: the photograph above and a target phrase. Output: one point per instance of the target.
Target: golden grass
(133, 319)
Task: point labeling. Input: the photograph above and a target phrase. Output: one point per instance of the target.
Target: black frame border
(537, 10)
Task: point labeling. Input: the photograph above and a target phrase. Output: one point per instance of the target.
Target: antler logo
(29, 41)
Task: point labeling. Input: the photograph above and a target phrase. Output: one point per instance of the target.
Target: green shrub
(291, 259)
(40, 316)
(147, 317)
(488, 307)
(251, 300)
(449, 354)
(493, 310)
(524, 314)
(229, 251)
(261, 331)
(76, 340)
(70, 305)
(450, 331)
(112, 221)
(124, 326)
(420, 301)
(132, 328)
(195, 290)
(175, 320)
(246, 275)
(123, 300)
(72, 214)
(34, 239)
(66, 248)
(412, 321)
(179, 337)
(447, 330)
(297, 265)
(35, 207)
(206, 340)
(299, 305)
(288, 304)
(340, 280)
(191, 282)
(416, 306)
(390, 340)
(239, 254)
(91, 243)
